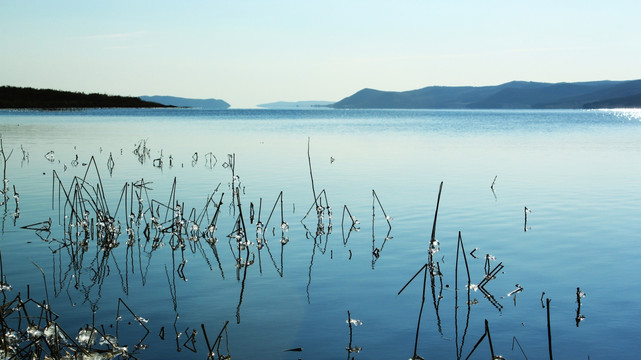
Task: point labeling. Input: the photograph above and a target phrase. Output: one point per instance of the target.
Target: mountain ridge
(510, 95)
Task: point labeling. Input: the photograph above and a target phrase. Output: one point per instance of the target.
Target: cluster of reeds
(144, 222)
(88, 218)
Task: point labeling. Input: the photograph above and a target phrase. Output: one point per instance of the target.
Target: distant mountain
(186, 102)
(511, 95)
(295, 104)
(29, 98)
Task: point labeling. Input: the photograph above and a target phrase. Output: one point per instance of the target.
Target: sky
(250, 52)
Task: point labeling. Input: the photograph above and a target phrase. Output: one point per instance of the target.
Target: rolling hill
(511, 95)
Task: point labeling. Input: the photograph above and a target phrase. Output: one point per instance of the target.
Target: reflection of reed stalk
(460, 248)
(44, 280)
(547, 303)
(420, 313)
(349, 323)
(3, 283)
(211, 354)
(515, 340)
(246, 264)
(489, 340)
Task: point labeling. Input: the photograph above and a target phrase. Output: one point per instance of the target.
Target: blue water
(577, 171)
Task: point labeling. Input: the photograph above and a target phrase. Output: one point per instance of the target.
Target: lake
(260, 233)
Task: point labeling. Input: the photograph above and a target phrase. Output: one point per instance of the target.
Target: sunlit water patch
(629, 114)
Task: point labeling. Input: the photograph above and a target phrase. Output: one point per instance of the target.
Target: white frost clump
(86, 336)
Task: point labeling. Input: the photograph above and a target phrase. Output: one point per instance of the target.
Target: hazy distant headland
(296, 104)
(186, 102)
(512, 95)
(30, 98)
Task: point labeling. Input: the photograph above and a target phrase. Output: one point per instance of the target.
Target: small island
(29, 98)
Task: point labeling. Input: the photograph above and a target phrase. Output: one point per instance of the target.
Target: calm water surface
(577, 171)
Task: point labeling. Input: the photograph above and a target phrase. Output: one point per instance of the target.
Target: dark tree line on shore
(30, 98)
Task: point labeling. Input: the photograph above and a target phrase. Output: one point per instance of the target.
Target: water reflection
(110, 238)
(460, 249)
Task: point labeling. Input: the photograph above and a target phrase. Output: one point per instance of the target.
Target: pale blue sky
(251, 52)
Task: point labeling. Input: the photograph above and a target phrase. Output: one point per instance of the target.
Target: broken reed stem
(345, 208)
(309, 160)
(4, 171)
(280, 197)
(438, 201)
(282, 215)
(381, 206)
(415, 275)
(315, 205)
(460, 243)
(205, 210)
(101, 193)
(123, 194)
